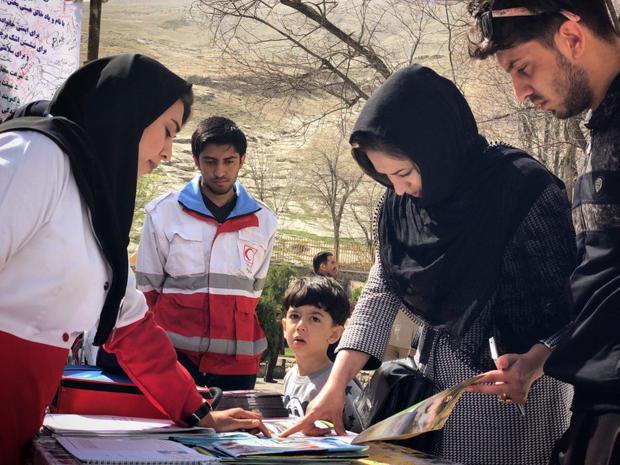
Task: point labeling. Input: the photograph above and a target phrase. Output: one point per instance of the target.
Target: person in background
(67, 192)
(564, 57)
(203, 259)
(324, 264)
(317, 309)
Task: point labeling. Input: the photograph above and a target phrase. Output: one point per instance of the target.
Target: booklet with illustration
(240, 447)
(278, 425)
(268, 446)
(428, 415)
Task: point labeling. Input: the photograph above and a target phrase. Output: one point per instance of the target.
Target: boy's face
(309, 330)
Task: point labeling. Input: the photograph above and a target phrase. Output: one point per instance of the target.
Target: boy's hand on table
(234, 419)
(327, 405)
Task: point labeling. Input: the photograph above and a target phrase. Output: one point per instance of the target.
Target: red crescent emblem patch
(248, 255)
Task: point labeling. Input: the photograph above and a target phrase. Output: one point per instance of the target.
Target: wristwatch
(198, 415)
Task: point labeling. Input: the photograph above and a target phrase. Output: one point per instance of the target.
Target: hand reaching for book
(327, 405)
(234, 419)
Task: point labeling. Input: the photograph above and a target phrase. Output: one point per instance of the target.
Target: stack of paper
(268, 404)
(106, 425)
(47, 451)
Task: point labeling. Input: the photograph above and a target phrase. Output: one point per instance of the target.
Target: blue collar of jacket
(191, 198)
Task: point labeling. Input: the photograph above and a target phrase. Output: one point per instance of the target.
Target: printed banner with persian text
(39, 49)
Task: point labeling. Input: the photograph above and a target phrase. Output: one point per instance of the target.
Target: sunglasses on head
(613, 9)
(485, 19)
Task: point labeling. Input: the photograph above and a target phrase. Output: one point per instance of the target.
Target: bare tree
(294, 49)
(333, 178)
(451, 23)
(275, 187)
(559, 144)
(336, 52)
(363, 207)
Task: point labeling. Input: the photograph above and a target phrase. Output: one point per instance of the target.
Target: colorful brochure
(268, 446)
(244, 448)
(428, 415)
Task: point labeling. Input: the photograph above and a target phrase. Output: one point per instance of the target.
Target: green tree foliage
(269, 310)
(356, 292)
(147, 189)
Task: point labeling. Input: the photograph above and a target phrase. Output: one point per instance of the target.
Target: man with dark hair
(202, 262)
(324, 264)
(564, 56)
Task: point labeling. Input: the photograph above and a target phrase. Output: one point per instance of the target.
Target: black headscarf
(35, 108)
(99, 115)
(442, 252)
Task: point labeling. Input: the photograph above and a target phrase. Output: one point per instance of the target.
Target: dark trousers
(108, 362)
(224, 382)
(593, 438)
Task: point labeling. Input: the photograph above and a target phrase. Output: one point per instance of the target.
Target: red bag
(87, 390)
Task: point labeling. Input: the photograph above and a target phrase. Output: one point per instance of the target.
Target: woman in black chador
(474, 240)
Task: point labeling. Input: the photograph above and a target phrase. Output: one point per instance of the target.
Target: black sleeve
(534, 301)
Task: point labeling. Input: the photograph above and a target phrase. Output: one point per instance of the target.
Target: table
(48, 452)
(384, 453)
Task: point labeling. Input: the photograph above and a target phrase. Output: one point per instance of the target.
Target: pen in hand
(495, 356)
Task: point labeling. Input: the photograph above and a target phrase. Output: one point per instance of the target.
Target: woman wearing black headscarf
(67, 192)
(474, 241)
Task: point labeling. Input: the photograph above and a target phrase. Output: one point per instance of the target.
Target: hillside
(168, 30)
(163, 30)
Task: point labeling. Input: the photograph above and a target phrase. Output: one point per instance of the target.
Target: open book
(428, 415)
